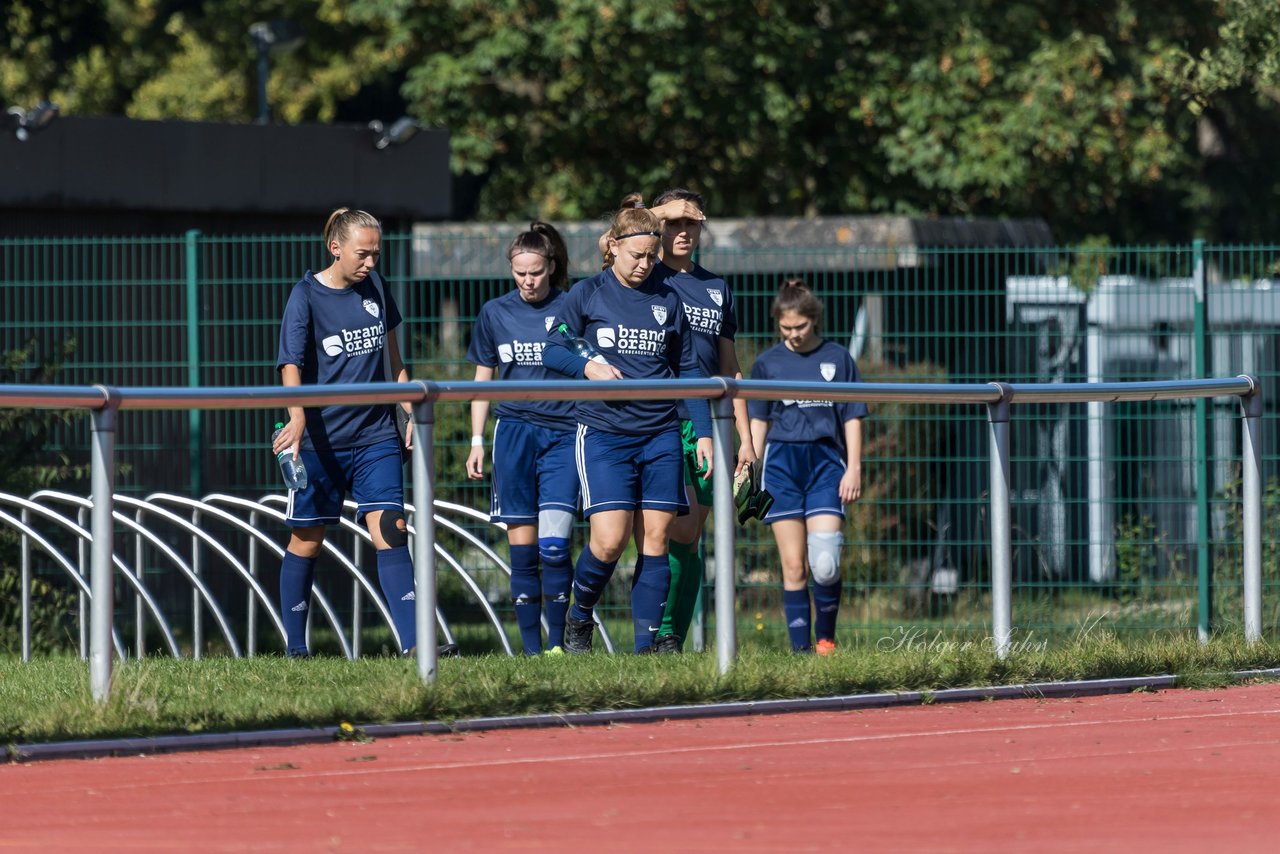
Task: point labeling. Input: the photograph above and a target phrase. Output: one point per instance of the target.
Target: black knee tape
(394, 530)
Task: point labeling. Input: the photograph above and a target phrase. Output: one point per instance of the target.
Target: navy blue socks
(296, 576)
(826, 605)
(526, 594)
(589, 580)
(795, 607)
(557, 576)
(649, 597)
(395, 575)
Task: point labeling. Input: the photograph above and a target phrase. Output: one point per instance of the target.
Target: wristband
(477, 441)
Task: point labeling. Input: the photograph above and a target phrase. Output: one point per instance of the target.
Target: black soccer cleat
(667, 645)
(577, 635)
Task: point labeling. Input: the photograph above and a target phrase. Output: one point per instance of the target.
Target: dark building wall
(115, 176)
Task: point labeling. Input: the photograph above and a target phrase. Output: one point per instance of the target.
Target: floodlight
(400, 132)
(27, 122)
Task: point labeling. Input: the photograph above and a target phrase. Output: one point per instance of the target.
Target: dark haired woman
(812, 452)
(535, 480)
(628, 451)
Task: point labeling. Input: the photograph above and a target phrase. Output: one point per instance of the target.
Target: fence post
(102, 460)
(1251, 496)
(195, 437)
(1001, 533)
(424, 541)
(722, 492)
(1200, 355)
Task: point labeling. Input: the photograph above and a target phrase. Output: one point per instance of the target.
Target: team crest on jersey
(828, 370)
(371, 307)
(716, 296)
(549, 319)
(659, 313)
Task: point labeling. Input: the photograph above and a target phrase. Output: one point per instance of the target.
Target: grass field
(48, 699)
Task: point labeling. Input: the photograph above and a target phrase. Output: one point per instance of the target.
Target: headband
(639, 234)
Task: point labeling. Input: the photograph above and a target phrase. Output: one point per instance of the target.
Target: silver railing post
(722, 492)
(26, 589)
(102, 460)
(1001, 534)
(424, 541)
(1251, 496)
(251, 607)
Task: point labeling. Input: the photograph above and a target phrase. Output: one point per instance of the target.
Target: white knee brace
(555, 523)
(824, 556)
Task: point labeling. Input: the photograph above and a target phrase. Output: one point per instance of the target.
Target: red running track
(1169, 771)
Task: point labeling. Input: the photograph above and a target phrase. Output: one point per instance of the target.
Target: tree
(1136, 120)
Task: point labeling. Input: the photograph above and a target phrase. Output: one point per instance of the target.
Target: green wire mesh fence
(1124, 515)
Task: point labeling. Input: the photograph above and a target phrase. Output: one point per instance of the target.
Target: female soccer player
(812, 453)
(335, 327)
(709, 308)
(628, 451)
(535, 480)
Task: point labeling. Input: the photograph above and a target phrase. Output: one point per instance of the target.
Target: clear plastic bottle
(581, 346)
(292, 471)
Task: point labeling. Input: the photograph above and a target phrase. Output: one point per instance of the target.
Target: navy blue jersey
(806, 420)
(642, 332)
(509, 335)
(336, 335)
(708, 306)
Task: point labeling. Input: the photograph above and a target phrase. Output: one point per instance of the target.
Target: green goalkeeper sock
(686, 579)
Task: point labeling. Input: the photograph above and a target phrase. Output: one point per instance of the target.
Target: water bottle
(581, 346)
(293, 471)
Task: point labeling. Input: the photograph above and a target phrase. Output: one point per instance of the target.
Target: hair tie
(639, 234)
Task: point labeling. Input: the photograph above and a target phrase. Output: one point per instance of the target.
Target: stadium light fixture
(27, 122)
(400, 132)
(271, 38)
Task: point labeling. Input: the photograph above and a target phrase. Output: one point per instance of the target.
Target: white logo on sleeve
(371, 307)
(504, 353)
(716, 296)
(606, 337)
(828, 370)
(659, 313)
(332, 345)
(549, 319)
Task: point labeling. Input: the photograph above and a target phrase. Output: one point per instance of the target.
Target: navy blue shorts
(804, 480)
(620, 472)
(372, 474)
(533, 469)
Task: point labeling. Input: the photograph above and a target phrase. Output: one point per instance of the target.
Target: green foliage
(1140, 120)
(1136, 119)
(24, 433)
(1136, 561)
(1246, 53)
(49, 608)
(1229, 557)
(31, 464)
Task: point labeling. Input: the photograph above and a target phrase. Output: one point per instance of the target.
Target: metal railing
(104, 403)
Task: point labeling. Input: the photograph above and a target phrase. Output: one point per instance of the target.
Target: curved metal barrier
(130, 577)
(151, 515)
